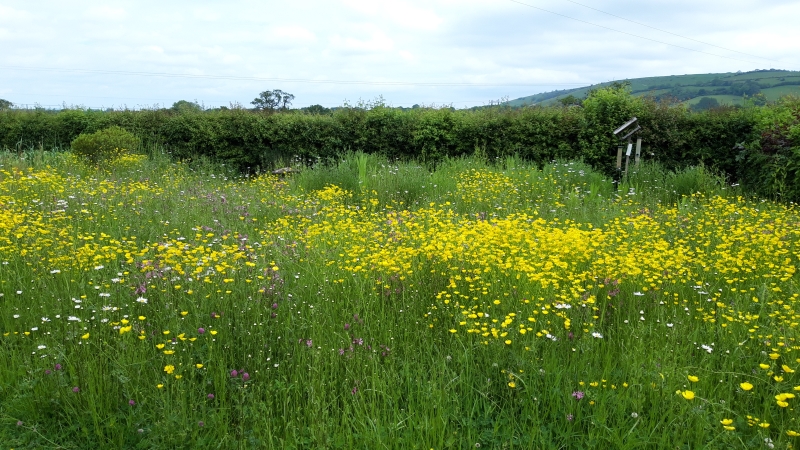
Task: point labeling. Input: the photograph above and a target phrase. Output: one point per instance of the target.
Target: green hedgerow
(104, 145)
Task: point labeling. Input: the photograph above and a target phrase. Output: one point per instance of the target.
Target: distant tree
(706, 103)
(266, 100)
(5, 104)
(286, 99)
(570, 100)
(757, 100)
(316, 109)
(271, 100)
(749, 87)
(186, 106)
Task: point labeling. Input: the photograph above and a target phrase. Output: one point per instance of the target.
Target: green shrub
(105, 145)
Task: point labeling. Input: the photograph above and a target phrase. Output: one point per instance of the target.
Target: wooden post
(638, 150)
(619, 157)
(628, 157)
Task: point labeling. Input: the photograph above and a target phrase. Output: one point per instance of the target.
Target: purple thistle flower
(355, 389)
(20, 423)
(131, 402)
(58, 367)
(578, 395)
(210, 396)
(47, 372)
(245, 376)
(201, 424)
(201, 330)
(234, 373)
(76, 389)
(341, 351)
(309, 343)
(274, 306)
(346, 326)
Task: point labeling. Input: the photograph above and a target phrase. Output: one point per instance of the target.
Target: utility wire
(288, 80)
(669, 32)
(629, 34)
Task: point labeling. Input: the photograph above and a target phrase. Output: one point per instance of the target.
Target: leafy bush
(105, 145)
(770, 162)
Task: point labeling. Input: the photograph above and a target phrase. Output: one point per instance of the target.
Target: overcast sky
(106, 53)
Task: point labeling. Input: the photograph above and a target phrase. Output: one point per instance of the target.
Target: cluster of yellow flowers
(502, 272)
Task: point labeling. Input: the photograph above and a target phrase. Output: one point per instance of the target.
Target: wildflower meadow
(368, 303)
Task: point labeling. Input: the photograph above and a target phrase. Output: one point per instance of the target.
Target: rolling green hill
(726, 88)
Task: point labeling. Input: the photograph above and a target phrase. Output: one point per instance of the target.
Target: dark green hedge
(252, 140)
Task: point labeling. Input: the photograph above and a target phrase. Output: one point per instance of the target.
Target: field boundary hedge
(756, 146)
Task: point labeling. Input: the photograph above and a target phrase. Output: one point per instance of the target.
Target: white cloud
(402, 13)
(480, 41)
(294, 33)
(106, 13)
(9, 14)
(377, 42)
(407, 56)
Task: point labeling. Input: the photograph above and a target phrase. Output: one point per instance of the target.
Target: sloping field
(773, 83)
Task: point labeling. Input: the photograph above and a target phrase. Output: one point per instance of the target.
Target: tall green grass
(348, 360)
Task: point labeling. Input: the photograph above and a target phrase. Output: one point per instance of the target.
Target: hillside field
(690, 88)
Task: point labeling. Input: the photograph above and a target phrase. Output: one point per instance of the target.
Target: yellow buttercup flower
(763, 366)
(787, 369)
(169, 369)
(199, 366)
(746, 386)
(726, 421)
(693, 378)
(688, 395)
(85, 336)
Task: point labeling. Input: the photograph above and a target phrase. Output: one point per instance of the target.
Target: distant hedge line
(768, 161)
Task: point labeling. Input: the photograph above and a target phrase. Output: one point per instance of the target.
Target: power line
(629, 34)
(287, 80)
(669, 32)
